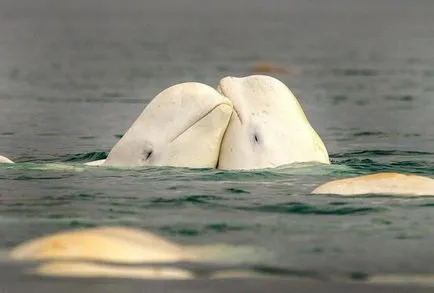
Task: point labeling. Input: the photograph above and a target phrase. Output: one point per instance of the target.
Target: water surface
(75, 74)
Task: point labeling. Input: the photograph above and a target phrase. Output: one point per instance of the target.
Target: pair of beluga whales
(251, 122)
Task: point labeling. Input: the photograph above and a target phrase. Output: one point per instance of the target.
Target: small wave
(92, 156)
(369, 161)
(8, 133)
(196, 199)
(188, 230)
(303, 209)
(402, 98)
(39, 177)
(368, 166)
(378, 153)
(355, 72)
(237, 190)
(370, 133)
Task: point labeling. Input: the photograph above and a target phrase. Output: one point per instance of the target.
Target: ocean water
(75, 74)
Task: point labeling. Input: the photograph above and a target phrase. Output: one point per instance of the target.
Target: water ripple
(304, 208)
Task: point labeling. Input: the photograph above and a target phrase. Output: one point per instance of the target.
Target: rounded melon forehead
(269, 127)
(261, 94)
(182, 117)
(184, 101)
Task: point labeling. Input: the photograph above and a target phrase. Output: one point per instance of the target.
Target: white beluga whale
(268, 127)
(384, 183)
(181, 127)
(251, 122)
(76, 253)
(4, 160)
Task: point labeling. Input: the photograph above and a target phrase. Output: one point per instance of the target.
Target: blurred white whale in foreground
(69, 253)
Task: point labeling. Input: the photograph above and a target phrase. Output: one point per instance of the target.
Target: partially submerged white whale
(268, 127)
(252, 122)
(4, 160)
(181, 127)
(384, 183)
(74, 253)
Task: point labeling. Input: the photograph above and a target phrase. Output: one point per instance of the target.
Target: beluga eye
(256, 138)
(147, 154)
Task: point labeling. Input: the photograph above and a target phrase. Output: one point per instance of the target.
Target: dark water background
(75, 74)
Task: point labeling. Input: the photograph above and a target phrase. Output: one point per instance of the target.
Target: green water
(74, 75)
(271, 209)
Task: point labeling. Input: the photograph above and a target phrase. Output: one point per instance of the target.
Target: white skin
(255, 122)
(186, 125)
(4, 160)
(379, 183)
(181, 127)
(71, 252)
(268, 127)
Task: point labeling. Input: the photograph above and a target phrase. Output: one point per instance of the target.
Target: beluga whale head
(268, 127)
(181, 127)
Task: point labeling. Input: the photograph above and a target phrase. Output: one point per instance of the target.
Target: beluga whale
(4, 160)
(382, 183)
(116, 251)
(246, 123)
(181, 127)
(251, 122)
(268, 127)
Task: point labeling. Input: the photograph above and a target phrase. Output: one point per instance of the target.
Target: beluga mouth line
(200, 119)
